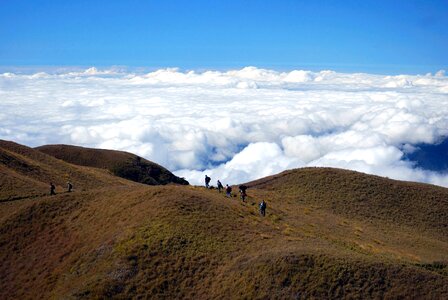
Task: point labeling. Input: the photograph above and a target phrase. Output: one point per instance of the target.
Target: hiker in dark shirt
(243, 194)
(263, 208)
(228, 191)
(220, 187)
(69, 186)
(207, 181)
(52, 189)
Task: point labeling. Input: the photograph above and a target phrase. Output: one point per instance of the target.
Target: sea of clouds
(236, 125)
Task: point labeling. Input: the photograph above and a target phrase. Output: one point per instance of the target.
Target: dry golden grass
(365, 197)
(122, 164)
(138, 241)
(26, 173)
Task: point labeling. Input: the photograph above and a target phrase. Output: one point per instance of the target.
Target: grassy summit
(122, 164)
(328, 233)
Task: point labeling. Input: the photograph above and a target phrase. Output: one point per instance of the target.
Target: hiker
(263, 208)
(69, 186)
(228, 191)
(243, 194)
(207, 181)
(52, 189)
(220, 187)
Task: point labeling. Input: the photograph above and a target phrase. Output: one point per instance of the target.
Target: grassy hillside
(365, 197)
(26, 173)
(189, 242)
(122, 164)
(140, 241)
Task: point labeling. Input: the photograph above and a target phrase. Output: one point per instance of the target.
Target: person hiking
(243, 194)
(228, 191)
(52, 189)
(207, 181)
(69, 186)
(220, 187)
(263, 208)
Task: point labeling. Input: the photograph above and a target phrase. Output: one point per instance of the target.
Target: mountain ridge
(370, 196)
(120, 163)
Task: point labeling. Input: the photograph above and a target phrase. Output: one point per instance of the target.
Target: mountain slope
(26, 172)
(360, 196)
(174, 241)
(123, 164)
(188, 242)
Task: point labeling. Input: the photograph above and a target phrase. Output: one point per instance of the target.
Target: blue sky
(387, 37)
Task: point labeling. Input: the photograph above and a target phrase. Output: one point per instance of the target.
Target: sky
(382, 37)
(237, 90)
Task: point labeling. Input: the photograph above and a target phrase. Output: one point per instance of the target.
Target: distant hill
(122, 164)
(327, 234)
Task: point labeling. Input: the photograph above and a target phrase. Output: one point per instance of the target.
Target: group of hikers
(228, 190)
(53, 188)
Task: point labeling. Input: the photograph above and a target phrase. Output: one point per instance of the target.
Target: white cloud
(236, 125)
(298, 76)
(440, 73)
(255, 161)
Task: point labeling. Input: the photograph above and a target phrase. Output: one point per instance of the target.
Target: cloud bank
(236, 125)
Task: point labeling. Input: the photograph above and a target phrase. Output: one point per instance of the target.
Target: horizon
(60, 69)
